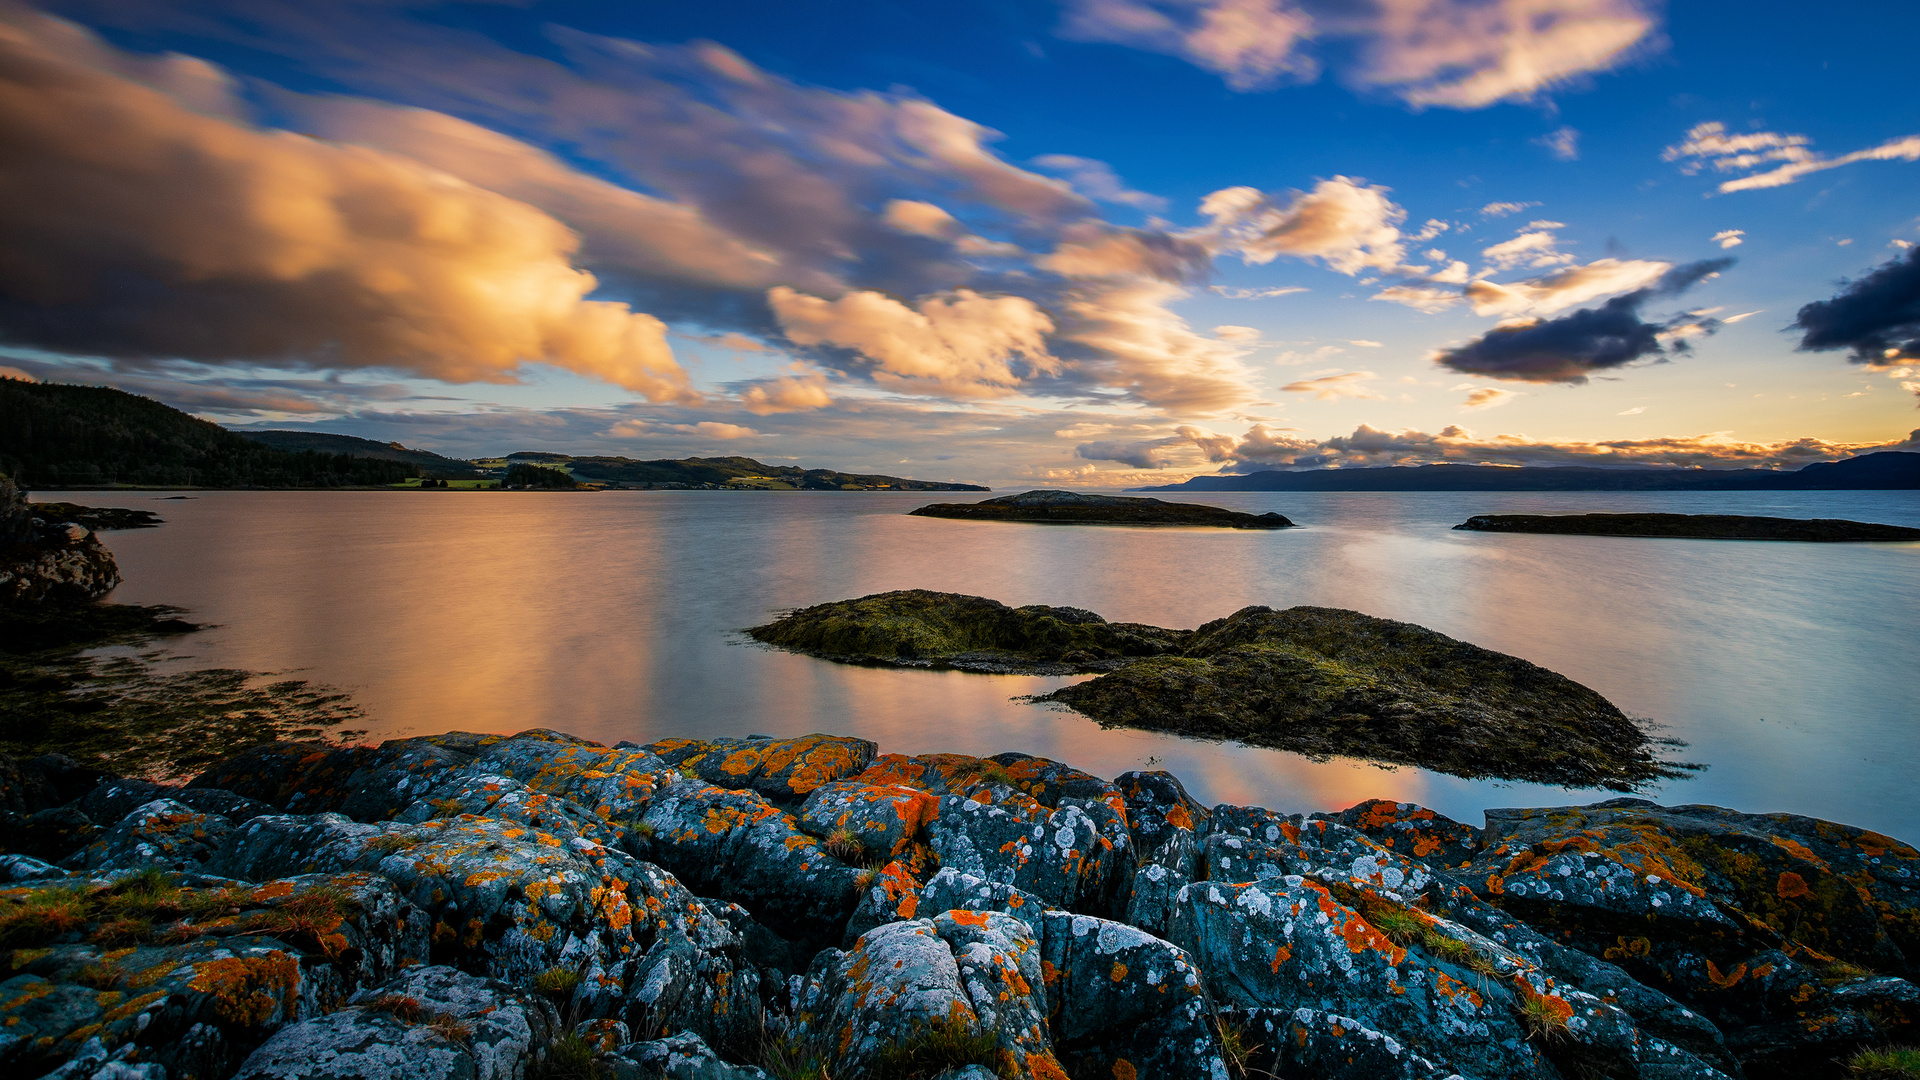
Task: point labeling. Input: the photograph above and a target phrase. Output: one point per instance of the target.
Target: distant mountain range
(731, 472)
(1881, 471)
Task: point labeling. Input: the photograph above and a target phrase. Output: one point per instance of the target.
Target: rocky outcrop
(44, 560)
(1323, 682)
(487, 907)
(1690, 526)
(1053, 507)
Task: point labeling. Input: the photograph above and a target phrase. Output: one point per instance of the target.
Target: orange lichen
(249, 990)
(1119, 972)
(1791, 885)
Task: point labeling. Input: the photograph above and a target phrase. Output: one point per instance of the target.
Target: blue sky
(1081, 242)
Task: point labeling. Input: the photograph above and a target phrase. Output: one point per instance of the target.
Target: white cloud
(1451, 53)
(1502, 209)
(917, 218)
(1350, 384)
(1564, 288)
(1097, 180)
(1743, 315)
(711, 429)
(1489, 397)
(1365, 344)
(962, 344)
(1729, 238)
(766, 397)
(1419, 297)
(1788, 155)
(1233, 293)
(1347, 224)
(1237, 334)
(1535, 249)
(1434, 227)
(1563, 143)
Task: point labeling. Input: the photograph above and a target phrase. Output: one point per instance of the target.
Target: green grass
(557, 982)
(936, 1048)
(1885, 1063)
(143, 907)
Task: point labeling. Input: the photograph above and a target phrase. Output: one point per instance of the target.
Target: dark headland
(1690, 526)
(1053, 507)
(1316, 681)
(1887, 470)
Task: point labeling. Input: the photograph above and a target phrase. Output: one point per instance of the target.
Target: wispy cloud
(1788, 155)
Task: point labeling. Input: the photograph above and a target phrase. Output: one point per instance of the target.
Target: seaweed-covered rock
(1053, 507)
(43, 561)
(919, 628)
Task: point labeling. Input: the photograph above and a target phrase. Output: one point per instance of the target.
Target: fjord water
(1788, 668)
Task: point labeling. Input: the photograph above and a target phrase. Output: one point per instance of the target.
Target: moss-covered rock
(1054, 507)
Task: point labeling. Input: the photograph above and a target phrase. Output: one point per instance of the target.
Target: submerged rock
(1053, 507)
(1690, 526)
(478, 907)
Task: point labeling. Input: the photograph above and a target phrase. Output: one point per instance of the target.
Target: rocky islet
(1317, 681)
(1055, 507)
(515, 906)
(1692, 527)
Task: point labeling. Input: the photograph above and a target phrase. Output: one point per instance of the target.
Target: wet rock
(30, 785)
(785, 770)
(163, 833)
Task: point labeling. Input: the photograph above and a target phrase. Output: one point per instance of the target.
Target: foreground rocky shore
(491, 907)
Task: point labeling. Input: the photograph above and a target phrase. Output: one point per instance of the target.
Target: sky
(1060, 242)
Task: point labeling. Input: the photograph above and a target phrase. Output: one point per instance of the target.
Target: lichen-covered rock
(1412, 832)
(681, 1056)
(1000, 964)
(1324, 1045)
(430, 1023)
(883, 821)
(893, 895)
(511, 901)
(1125, 1002)
(1287, 943)
(1068, 856)
(898, 983)
(113, 799)
(737, 846)
(163, 833)
(1167, 827)
(614, 783)
(786, 770)
(26, 868)
(951, 890)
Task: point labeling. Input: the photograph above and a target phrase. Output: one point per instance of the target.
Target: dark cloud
(1571, 347)
(1878, 316)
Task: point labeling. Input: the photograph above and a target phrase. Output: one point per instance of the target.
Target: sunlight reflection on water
(1787, 667)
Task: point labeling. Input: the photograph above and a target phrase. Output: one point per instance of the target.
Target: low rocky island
(1052, 507)
(1322, 682)
(486, 907)
(1690, 526)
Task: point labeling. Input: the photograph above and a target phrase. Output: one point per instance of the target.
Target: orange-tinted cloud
(134, 226)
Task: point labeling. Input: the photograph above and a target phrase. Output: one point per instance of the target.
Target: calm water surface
(1788, 668)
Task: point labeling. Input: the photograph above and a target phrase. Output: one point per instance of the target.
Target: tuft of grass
(1885, 1063)
(866, 877)
(401, 1007)
(982, 769)
(115, 933)
(1397, 924)
(1840, 971)
(843, 844)
(1544, 1017)
(640, 828)
(42, 916)
(392, 842)
(450, 1027)
(568, 1057)
(1238, 1048)
(100, 975)
(557, 982)
(940, 1046)
(312, 918)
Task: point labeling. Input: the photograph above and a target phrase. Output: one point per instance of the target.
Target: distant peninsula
(1052, 507)
(1886, 470)
(1690, 526)
(734, 473)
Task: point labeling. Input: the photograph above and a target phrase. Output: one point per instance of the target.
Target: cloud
(1488, 397)
(1097, 250)
(1502, 209)
(916, 218)
(1264, 447)
(1345, 223)
(1731, 319)
(1570, 348)
(1434, 227)
(1635, 411)
(1419, 297)
(1876, 317)
(711, 429)
(1533, 249)
(132, 226)
(1729, 238)
(765, 397)
(1788, 155)
(1564, 288)
(9, 372)
(1233, 293)
(1350, 384)
(1187, 445)
(1122, 335)
(963, 344)
(1563, 143)
(1097, 180)
(1451, 53)
(1239, 334)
